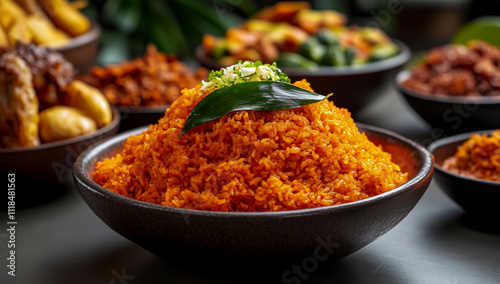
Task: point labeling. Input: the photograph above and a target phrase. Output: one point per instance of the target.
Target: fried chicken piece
(51, 72)
(18, 104)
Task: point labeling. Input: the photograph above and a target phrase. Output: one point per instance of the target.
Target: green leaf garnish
(259, 95)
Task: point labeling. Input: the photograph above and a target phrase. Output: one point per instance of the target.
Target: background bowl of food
(51, 23)
(455, 87)
(143, 88)
(356, 63)
(47, 117)
(467, 170)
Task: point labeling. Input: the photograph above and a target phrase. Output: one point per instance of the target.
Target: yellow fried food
(65, 16)
(20, 31)
(79, 4)
(31, 7)
(18, 104)
(10, 13)
(3, 37)
(63, 122)
(44, 33)
(90, 100)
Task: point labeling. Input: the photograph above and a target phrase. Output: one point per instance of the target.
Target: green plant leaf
(261, 95)
(125, 15)
(485, 28)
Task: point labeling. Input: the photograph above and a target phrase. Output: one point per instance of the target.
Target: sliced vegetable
(383, 51)
(334, 56)
(350, 56)
(260, 95)
(327, 38)
(312, 49)
(294, 60)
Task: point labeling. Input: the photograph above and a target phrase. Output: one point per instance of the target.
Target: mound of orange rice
(307, 157)
(478, 157)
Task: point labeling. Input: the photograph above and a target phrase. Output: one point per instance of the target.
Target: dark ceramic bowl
(353, 87)
(340, 230)
(133, 117)
(52, 162)
(476, 196)
(82, 50)
(452, 114)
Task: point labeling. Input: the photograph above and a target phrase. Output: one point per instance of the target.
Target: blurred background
(177, 26)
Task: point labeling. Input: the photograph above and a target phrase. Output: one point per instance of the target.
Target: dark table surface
(62, 241)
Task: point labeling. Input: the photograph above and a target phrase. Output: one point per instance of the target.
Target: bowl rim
(460, 138)
(92, 34)
(82, 163)
(440, 98)
(115, 122)
(142, 109)
(393, 62)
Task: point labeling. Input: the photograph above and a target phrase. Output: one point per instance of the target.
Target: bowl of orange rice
(259, 184)
(337, 230)
(468, 170)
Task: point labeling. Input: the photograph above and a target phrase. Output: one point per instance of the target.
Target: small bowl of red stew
(467, 169)
(456, 88)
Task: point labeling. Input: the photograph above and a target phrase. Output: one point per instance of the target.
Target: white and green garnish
(247, 86)
(243, 72)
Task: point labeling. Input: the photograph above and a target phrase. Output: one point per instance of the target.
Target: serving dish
(52, 162)
(452, 114)
(178, 232)
(81, 51)
(477, 197)
(353, 87)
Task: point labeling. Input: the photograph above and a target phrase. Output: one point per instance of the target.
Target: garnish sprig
(242, 72)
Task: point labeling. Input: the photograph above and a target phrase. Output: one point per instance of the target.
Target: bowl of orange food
(51, 23)
(273, 170)
(468, 171)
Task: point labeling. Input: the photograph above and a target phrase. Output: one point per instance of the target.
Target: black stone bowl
(478, 197)
(353, 87)
(452, 114)
(134, 117)
(335, 230)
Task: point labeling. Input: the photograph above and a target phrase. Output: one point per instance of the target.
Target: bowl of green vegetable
(354, 63)
(353, 86)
